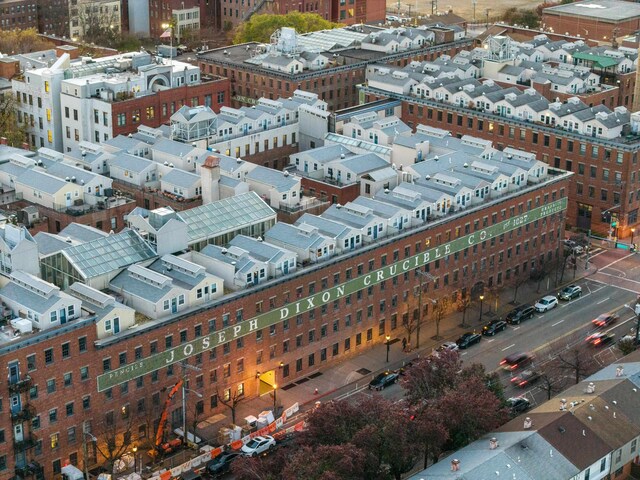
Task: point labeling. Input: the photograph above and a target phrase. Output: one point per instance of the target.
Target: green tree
(22, 41)
(14, 132)
(260, 27)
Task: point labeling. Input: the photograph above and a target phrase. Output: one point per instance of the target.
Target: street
(615, 284)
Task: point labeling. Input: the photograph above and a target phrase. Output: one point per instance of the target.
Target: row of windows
(512, 132)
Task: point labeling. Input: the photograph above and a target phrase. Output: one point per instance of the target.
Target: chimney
(527, 423)
(3, 141)
(210, 176)
(493, 443)
(455, 465)
(563, 404)
(591, 388)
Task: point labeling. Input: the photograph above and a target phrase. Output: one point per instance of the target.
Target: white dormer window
(54, 316)
(107, 325)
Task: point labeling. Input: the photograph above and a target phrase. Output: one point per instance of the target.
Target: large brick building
(601, 20)
(80, 376)
(258, 70)
(604, 191)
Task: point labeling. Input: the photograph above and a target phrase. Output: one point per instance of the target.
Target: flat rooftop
(604, 10)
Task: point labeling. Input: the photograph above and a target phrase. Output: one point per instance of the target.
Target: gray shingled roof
(181, 178)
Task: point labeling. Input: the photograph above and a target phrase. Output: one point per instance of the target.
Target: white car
(451, 346)
(258, 445)
(546, 303)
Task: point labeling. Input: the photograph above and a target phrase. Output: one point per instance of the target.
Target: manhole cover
(364, 371)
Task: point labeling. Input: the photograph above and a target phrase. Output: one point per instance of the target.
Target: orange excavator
(160, 446)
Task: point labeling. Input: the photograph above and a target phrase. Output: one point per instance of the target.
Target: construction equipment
(161, 447)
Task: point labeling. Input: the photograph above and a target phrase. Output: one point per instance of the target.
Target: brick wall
(361, 322)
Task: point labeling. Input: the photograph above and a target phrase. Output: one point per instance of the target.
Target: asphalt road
(616, 283)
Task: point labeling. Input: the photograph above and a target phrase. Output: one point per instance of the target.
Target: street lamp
(422, 274)
(481, 300)
(185, 390)
(275, 389)
(134, 449)
(633, 230)
(388, 337)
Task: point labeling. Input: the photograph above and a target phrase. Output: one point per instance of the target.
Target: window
(84, 373)
(31, 362)
(82, 344)
(48, 356)
(53, 415)
(51, 385)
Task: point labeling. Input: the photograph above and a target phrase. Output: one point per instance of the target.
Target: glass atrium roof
(108, 254)
(225, 215)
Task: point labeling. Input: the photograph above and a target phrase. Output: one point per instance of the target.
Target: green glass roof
(108, 254)
(225, 215)
(600, 61)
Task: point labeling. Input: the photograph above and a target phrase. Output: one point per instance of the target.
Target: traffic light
(606, 217)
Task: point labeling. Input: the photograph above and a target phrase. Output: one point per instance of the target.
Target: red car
(525, 377)
(605, 319)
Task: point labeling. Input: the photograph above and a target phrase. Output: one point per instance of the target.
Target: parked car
(468, 339)
(494, 327)
(517, 315)
(525, 378)
(446, 346)
(546, 303)
(605, 319)
(221, 464)
(570, 292)
(516, 361)
(383, 380)
(601, 339)
(258, 445)
(518, 405)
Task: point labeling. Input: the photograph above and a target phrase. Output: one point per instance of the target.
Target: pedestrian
(404, 344)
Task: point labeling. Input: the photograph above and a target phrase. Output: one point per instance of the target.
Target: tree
(491, 379)
(526, 18)
(14, 132)
(462, 305)
(578, 361)
(429, 377)
(517, 282)
(431, 434)
(551, 380)
(114, 439)
(231, 401)
(465, 416)
(260, 27)
(439, 310)
(98, 24)
(330, 462)
(626, 345)
(23, 41)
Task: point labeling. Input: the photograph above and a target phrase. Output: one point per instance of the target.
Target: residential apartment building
(600, 145)
(296, 314)
(330, 63)
(21, 14)
(70, 101)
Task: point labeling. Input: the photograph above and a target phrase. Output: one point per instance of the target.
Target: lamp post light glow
(388, 346)
(481, 300)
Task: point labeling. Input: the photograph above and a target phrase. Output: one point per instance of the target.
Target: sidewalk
(356, 371)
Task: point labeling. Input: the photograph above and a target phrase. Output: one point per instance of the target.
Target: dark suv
(517, 315)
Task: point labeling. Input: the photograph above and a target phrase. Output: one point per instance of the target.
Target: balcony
(32, 469)
(29, 441)
(20, 386)
(24, 415)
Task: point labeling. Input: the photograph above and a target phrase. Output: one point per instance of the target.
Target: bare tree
(576, 360)
(440, 308)
(115, 437)
(517, 282)
(462, 305)
(552, 380)
(231, 401)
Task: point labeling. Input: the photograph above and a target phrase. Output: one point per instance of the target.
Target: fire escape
(22, 413)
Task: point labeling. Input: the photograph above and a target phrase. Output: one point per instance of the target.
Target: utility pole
(474, 3)
(423, 275)
(487, 16)
(434, 7)
(186, 366)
